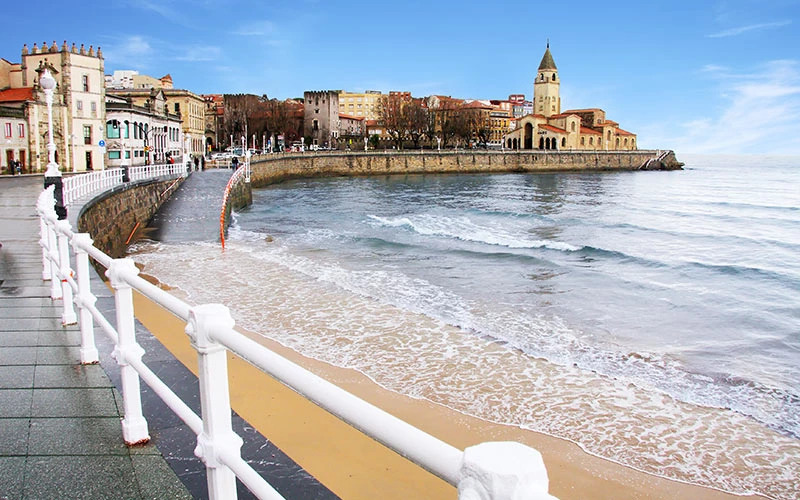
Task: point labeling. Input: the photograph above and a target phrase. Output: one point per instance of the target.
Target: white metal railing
(486, 471)
(242, 174)
(85, 184)
(80, 185)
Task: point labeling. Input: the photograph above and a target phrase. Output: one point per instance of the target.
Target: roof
(547, 60)
(553, 129)
(624, 132)
(586, 110)
(350, 117)
(587, 130)
(17, 95)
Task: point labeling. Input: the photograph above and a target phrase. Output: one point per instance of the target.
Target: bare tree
(390, 110)
(416, 117)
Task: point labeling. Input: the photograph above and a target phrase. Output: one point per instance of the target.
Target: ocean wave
(462, 228)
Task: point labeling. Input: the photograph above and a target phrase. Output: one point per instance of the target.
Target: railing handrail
(242, 174)
(88, 183)
(484, 471)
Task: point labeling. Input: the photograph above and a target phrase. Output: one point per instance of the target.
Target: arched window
(573, 126)
(563, 142)
(583, 141)
(541, 142)
(554, 77)
(617, 141)
(591, 141)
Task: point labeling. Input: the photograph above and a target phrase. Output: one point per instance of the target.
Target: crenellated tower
(546, 98)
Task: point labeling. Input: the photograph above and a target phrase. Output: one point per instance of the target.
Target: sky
(701, 76)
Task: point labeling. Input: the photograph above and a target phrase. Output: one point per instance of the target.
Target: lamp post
(52, 176)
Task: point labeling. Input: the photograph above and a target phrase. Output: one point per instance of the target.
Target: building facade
(321, 118)
(78, 104)
(192, 110)
(357, 104)
(14, 136)
(142, 135)
(548, 128)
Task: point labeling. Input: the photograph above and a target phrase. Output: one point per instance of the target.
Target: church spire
(547, 59)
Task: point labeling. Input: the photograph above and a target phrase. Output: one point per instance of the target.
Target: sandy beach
(355, 466)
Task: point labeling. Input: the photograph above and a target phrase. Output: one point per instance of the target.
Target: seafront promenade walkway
(59, 420)
(60, 430)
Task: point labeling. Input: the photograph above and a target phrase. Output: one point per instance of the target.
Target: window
(94, 108)
(112, 130)
(127, 130)
(591, 141)
(315, 125)
(80, 105)
(85, 82)
(21, 130)
(87, 134)
(113, 155)
(8, 130)
(177, 107)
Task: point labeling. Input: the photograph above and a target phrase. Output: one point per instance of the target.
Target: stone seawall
(112, 216)
(267, 170)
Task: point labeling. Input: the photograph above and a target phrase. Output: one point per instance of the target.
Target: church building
(548, 128)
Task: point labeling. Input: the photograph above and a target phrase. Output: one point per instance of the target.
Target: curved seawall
(269, 169)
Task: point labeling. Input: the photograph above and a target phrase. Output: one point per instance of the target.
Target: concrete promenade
(60, 432)
(59, 421)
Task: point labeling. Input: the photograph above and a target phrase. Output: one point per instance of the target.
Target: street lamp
(52, 176)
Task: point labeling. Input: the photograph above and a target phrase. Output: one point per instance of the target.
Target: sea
(652, 318)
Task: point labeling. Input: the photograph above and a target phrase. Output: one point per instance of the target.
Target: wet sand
(355, 466)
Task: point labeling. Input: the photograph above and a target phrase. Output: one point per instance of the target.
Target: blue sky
(694, 76)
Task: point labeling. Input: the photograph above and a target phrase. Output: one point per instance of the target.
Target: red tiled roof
(624, 132)
(587, 130)
(350, 117)
(17, 95)
(371, 123)
(582, 110)
(553, 129)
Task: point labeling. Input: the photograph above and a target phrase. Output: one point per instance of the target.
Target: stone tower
(321, 117)
(546, 98)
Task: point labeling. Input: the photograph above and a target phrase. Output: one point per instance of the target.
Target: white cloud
(134, 52)
(745, 29)
(761, 115)
(259, 28)
(200, 54)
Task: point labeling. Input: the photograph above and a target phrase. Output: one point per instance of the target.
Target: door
(89, 160)
(9, 159)
(22, 160)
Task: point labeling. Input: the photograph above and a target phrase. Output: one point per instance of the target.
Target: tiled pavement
(60, 434)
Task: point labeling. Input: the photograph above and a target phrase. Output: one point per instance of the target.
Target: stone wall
(112, 217)
(266, 170)
(240, 196)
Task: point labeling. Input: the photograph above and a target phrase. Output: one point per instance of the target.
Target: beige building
(192, 109)
(14, 137)
(361, 105)
(78, 103)
(549, 128)
(190, 106)
(321, 118)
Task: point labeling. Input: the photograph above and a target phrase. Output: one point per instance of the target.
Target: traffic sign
(102, 143)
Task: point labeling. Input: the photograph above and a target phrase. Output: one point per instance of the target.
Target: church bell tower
(546, 98)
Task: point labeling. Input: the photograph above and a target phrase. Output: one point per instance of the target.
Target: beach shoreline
(355, 466)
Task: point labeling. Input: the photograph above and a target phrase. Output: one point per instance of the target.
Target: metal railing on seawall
(494, 470)
(242, 174)
(84, 184)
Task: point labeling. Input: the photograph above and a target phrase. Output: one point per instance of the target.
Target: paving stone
(58, 355)
(12, 473)
(59, 338)
(15, 403)
(70, 376)
(16, 377)
(10, 356)
(74, 403)
(12, 339)
(76, 436)
(14, 436)
(87, 477)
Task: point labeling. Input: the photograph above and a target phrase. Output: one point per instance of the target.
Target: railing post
(53, 257)
(43, 242)
(85, 299)
(68, 316)
(134, 425)
(212, 369)
(503, 471)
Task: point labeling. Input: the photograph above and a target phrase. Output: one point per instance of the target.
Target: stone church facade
(548, 128)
